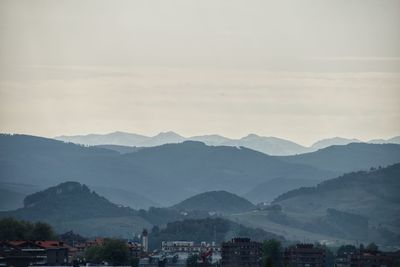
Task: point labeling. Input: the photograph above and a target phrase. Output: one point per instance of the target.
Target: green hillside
(215, 201)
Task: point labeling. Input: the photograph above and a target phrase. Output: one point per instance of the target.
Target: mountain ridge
(268, 145)
(192, 167)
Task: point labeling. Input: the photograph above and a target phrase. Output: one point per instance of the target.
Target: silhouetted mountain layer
(166, 174)
(215, 201)
(268, 145)
(332, 142)
(267, 191)
(348, 158)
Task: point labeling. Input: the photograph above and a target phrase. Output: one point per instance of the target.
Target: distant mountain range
(170, 173)
(165, 174)
(267, 145)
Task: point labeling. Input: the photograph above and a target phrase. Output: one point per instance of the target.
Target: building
(145, 241)
(188, 246)
(21, 254)
(369, 258)
(241, 252)
(304, 255)
(25, 253)
(135, 249)
(56, 252)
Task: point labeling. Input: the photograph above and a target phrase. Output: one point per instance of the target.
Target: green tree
(192, 261)
(94, 254)
(372, 246)
(12, 229)
(272, 253)
(42, 231)
(113, 251)
(116, 252)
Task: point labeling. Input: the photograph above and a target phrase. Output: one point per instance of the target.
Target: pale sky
(301, 69)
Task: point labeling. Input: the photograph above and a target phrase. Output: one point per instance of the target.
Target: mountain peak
(168, 134)
(63, 189)
(250, 136)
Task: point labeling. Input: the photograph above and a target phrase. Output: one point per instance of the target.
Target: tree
(42, 231)
(192, 261)
(94, 254)
(372, 246)
(272, 253)
(113, 251)
(12, 229)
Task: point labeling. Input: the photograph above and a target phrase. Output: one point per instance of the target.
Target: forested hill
(66, 202)
(374, 194)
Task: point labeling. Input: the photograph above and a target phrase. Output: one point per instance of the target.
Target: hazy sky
(300, 69)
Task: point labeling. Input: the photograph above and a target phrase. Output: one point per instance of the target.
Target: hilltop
(73, 206)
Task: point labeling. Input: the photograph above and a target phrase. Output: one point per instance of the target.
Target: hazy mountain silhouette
(393, 140)
(268, 145)
(268, 191)
(332, 141)
(348, 158)
(215, 201)
(170, 173)
(166, 174)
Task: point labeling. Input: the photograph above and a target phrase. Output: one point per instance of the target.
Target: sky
(300, 70)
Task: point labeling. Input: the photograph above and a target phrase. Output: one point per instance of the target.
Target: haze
(301, 70)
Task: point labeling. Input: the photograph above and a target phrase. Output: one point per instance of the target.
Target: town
(238, 252)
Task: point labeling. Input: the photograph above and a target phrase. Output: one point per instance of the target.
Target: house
(56, 252)
(304, 255)
(241, 252)
(21, 254)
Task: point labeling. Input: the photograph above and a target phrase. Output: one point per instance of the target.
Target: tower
(145, 240)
